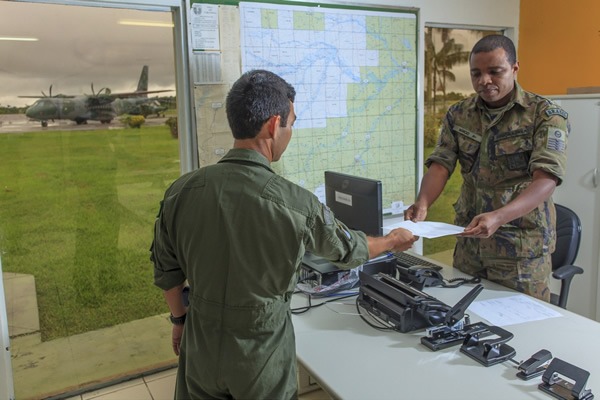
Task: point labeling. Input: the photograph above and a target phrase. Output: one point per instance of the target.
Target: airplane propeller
(49, 91)
(106, 91)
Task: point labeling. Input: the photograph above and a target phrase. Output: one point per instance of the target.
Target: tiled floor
(154, 387)
(160, 386)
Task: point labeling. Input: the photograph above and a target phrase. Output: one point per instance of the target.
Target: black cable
(383, 327)
(302, 310)
(456, 282)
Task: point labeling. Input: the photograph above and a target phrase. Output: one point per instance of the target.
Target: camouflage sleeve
(550, 141)
(331, 239)
(446, 149)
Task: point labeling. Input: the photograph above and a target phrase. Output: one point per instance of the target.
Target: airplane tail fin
(143, 82)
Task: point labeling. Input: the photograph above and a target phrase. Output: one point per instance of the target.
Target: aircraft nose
(41, 109)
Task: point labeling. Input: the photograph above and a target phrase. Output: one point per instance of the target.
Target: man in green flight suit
(237, 232)
(511, 146)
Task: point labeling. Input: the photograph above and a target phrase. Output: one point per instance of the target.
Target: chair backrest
(568, 237)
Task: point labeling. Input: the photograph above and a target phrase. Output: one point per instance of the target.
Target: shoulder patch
(556, 140)
(557, 111)
(327, 215)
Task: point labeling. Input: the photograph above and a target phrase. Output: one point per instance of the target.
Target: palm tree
(452, 54)
(429, 56)
(438, 64)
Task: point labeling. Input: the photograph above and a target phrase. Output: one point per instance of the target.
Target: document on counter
(512, 310)
(427, 229)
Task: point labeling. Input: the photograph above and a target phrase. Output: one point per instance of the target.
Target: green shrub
(133, 121)
(431, 130)
(171, 122)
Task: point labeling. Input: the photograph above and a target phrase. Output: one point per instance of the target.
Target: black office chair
(568, 237)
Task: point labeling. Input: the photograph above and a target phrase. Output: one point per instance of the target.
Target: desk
(351, 360)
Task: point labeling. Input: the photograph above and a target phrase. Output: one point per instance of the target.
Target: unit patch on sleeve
(556, 140)
(327, 215)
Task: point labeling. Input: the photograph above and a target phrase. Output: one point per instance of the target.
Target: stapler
(456, 325)
(535, 365)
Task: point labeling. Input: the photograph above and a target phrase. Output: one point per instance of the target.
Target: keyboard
(408, 260)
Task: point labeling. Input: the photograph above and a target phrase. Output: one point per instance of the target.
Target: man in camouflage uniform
(237, 232)
(511, 146)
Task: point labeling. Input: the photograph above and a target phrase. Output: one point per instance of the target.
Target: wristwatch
(177, 320)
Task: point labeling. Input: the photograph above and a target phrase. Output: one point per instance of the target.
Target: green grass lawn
(76, 211)
(442, 210)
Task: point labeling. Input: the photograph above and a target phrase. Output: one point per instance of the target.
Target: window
(80, 187)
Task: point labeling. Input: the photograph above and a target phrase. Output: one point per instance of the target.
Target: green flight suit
(237, 232)
(498, 150)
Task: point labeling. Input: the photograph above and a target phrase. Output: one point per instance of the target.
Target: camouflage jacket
(497, 157)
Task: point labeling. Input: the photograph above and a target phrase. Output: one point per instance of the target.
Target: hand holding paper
(428, 229)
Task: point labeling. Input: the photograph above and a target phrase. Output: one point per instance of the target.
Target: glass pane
(447, 80)
(82, 175)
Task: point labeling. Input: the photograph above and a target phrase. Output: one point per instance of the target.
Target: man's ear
(272, 125)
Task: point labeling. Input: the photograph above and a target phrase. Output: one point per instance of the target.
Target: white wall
(579, 191)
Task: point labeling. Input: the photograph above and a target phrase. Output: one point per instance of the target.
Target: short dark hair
(493, 42)
(254, 98)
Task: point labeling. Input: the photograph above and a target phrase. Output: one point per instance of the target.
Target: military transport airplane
(102, 106)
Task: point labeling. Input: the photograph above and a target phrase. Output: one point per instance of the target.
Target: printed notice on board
(205, 27)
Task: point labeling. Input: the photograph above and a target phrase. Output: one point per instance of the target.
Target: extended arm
(541, 188)
(397, 240)
(432, 185)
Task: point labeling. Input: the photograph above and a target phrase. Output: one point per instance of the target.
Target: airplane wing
(137, 94)
(63, 96)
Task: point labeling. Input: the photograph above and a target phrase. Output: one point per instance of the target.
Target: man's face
(493, 77)
(284, 135)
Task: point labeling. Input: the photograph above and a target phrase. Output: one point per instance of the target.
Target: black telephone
(420, 276)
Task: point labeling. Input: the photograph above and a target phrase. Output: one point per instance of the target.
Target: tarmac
(19, 123)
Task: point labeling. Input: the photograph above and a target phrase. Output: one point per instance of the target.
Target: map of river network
(355, 76)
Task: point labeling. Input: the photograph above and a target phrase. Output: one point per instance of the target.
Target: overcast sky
(78, 46)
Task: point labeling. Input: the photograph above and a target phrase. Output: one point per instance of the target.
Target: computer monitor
(355, 201)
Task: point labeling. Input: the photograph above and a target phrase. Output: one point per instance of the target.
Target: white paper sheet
(427, 229)
(512, 310)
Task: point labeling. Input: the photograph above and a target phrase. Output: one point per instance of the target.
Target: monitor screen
(355, 201)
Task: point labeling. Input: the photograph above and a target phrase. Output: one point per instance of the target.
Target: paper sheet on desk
(427, 229)
(512, 310)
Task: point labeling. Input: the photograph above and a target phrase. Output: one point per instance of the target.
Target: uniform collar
(517, 98)
(247, 156)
